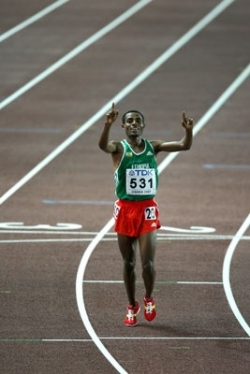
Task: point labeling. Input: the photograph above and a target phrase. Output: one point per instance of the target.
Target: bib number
(140, 182)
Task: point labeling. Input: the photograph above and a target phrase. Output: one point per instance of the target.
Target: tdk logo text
(141, 172)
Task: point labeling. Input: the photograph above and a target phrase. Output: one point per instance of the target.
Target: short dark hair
(132, 111)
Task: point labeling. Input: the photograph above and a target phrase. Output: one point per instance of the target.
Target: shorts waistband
(141, 202)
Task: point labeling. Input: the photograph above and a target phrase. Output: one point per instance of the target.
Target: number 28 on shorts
(150, 213)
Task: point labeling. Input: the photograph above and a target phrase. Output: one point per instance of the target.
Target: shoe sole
(150, 320)
(135, 324)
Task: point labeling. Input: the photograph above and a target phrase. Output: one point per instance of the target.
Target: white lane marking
(227, 166)
(192, 230)
(59, 226)
(80, 202)
(69, 56)
(123, 93)
(170, 338)
(199, 283)
(195, 338)
(114, 239)
(226, 275)
(32, 19)
(45, 241)
(75, 226)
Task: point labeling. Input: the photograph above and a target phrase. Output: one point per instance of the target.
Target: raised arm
(175, 146)
(104, 143)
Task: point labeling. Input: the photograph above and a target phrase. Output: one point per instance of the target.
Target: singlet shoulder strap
(148, 144)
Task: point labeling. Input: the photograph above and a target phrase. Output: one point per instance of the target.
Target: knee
(148, 266)
(128, 266)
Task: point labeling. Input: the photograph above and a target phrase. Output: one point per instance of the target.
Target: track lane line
(32, 19)
(166, 338)
(226, 275)
(78, 240)
(110, 239)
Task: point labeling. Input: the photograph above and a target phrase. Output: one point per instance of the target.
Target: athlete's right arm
(104, 143)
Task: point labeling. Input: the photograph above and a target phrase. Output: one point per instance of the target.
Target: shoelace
(131, 314)
(149, 307)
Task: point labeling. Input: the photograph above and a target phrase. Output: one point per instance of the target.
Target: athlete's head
(129, 113)
(133, 123)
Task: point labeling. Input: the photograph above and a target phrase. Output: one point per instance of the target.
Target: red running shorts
(134, 218)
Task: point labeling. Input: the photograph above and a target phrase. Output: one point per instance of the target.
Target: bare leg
(127, 247)
(147, 244)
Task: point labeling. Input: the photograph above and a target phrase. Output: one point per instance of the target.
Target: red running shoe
(130, 319)
(149, 309)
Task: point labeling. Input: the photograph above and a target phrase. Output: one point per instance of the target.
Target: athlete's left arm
(183, 145)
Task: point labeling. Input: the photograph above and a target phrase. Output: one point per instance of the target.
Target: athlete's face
(134, 124)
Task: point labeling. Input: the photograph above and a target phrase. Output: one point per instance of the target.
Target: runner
(136, 211)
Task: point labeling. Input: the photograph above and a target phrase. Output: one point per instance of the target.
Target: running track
(61, 291)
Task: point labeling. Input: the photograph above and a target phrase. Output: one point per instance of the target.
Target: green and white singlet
(136, 177)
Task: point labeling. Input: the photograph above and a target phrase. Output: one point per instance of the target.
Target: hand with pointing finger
(112, 115)
(187, 123)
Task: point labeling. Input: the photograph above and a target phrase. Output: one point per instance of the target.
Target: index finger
(184, 117)
(113, 106)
